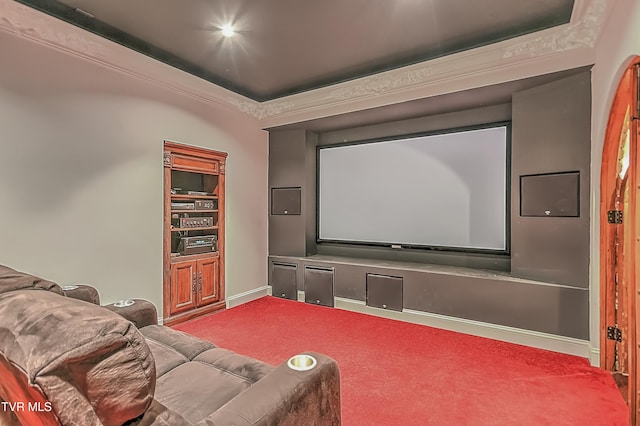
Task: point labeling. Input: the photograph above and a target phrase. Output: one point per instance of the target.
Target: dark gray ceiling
(289, 46)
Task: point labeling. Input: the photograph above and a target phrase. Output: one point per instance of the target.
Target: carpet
(397, 373)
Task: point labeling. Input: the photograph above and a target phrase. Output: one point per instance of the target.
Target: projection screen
(446, 190)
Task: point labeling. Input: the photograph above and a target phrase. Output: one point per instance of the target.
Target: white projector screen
(444, 190)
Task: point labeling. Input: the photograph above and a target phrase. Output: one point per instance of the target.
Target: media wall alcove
(538, 288)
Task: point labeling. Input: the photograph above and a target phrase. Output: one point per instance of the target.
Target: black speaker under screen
(550, 195)
(285, 201)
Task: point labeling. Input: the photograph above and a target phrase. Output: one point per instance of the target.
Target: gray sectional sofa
(66, 360)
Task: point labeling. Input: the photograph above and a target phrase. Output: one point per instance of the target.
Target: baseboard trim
(247, 296)
(594, 356)
(551, 342)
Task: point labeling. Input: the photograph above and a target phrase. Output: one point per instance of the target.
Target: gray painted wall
(494, 298)
(292, 164)
(81, 174)
(551, 133)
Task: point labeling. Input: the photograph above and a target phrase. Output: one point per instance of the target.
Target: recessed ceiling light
(227, 30)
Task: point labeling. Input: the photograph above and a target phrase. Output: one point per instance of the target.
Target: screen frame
(508, 189)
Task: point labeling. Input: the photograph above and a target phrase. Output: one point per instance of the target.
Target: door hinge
(614, 216)
(614, 333)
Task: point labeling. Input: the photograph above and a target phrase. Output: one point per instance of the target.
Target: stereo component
(197, 245)
(185, 192)
(183, 206)
(206, 204)
(193, 222)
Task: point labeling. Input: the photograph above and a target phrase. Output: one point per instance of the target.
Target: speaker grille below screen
(285, 201)
(550, 195)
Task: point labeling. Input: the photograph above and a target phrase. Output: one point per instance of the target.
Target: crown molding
(28, 23)
(580, 33)
(562, 47)
(566, 46)
(260, 110)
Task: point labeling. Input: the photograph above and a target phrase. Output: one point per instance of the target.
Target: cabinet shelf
(177, 257)
(206, 228)
(193, 197)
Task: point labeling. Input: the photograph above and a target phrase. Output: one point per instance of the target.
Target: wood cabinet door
(208, 291)
(183, 286)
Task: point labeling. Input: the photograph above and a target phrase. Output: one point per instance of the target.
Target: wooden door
(633, 289)
(620, 240)
(208, 291)
(183, 286)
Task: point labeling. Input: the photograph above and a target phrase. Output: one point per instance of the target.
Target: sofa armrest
(141, 313)
(82, 292)
(286, 397)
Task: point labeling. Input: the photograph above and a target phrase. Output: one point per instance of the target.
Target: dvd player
(196, 245)
(183, 206)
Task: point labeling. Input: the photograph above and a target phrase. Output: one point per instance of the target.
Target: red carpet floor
(396, 373)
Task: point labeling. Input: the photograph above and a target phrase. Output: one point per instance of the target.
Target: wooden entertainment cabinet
(193, 254)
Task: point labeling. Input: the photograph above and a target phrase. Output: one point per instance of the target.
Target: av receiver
(193, 222)
(195, 205)
(206, 204)
(183, 206)
(196, 245)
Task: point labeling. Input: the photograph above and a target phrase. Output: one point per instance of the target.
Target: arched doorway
(620, 239)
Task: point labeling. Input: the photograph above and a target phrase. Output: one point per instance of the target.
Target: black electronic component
(193, 222)
(183, 206)
(206, 204)
(196, 245)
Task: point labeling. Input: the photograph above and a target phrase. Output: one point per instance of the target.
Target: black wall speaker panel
(384, 292)
(550, 195)
(285, 201)
(284, 283)
(318, 285)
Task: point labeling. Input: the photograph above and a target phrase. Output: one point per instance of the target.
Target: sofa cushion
(170, 347)
(179, 342)
(89, 362)
(11, 280)
(198, 388)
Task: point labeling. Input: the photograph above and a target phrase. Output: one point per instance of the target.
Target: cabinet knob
(193, 283)
(283, 295)
(384, 306)
(200, 280)
(317, 302)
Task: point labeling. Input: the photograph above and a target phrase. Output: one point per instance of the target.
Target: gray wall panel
(288, 168)
(550, 309)
(551, 133)
(309, 200)
(471, 117)
(479, 296)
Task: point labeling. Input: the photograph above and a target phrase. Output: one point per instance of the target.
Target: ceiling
(282, 47)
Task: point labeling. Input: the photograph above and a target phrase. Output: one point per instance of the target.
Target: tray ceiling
(282, 47)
